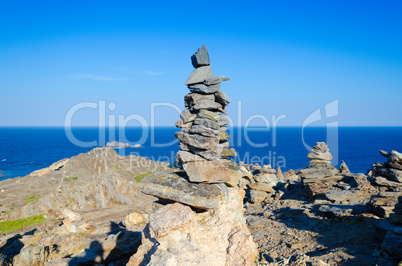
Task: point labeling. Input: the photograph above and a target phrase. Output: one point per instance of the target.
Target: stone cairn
(387, 203)
(319, 172)
(203, 140)
(388, 177)
(199, 218)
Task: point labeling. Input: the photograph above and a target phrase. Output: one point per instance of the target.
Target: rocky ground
(337, 218)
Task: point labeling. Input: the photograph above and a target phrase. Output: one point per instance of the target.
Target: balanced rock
(344, 168)
(177, 188)
(201, 57)
(215, 80)
(199, 75)
(204, 89)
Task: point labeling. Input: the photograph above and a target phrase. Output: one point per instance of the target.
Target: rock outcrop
(177, 235)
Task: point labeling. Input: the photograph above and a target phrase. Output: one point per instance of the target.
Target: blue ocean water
(25, 149)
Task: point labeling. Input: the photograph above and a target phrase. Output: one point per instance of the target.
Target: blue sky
(283, 58)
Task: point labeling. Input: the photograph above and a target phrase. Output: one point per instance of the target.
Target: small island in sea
(118, 145)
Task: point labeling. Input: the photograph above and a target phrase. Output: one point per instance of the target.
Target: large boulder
(176, 235)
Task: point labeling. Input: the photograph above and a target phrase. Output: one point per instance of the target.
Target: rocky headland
(102, 208)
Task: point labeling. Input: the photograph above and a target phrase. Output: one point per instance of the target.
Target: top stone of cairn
(201, 57)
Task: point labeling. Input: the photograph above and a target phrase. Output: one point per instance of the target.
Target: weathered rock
(314, 190)
(207, 171)
(215, 80)
(199, 75)
(198, 141)
(208, 115)
(344, 168)
(227, 153)
(204, 89)
(319, 171)
(222, 98)
(204, 131)
(178, 236)
(320, 152)
(201, 57)
(257, 196)
(181, 124)
(235, 178)
(262, 187)
(332, 211)
(176, 188)
(382, 181)
(206, 123)
(381, 206)
(185, 157)
(270, 179)
(133, 219)
(194, 98)
(279, 173)
(223, 121)
(208, 105)
(345, 195)
(223, 136)
(393, 174)
(211, 155)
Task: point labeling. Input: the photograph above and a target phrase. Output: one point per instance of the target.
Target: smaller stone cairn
(320, 164)
(388, 174)
(344, 168)
(262, 185)
(319, 172)
(388, 178)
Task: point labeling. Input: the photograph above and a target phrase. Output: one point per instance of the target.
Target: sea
(26, 149)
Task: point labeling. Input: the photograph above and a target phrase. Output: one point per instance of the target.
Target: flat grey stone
(194, 98)
(201, 57)
(207, 105)
(382, 181)
(177, 188)
(203, 89)
(199, 75)
(187, 116)
(185, 157)
(206, 123)
(209, 115)
(224, 136)
(222, 98)
(393, 174)
(215, 80)
(211, 155)
(227, 153)
(204, 131)
(223, 121)
(198, 141)
(319, 171)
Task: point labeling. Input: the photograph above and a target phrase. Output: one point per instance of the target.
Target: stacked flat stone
(396, 217)
(320, 165)
(204, 146)
(320, 154)
(388, 174)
